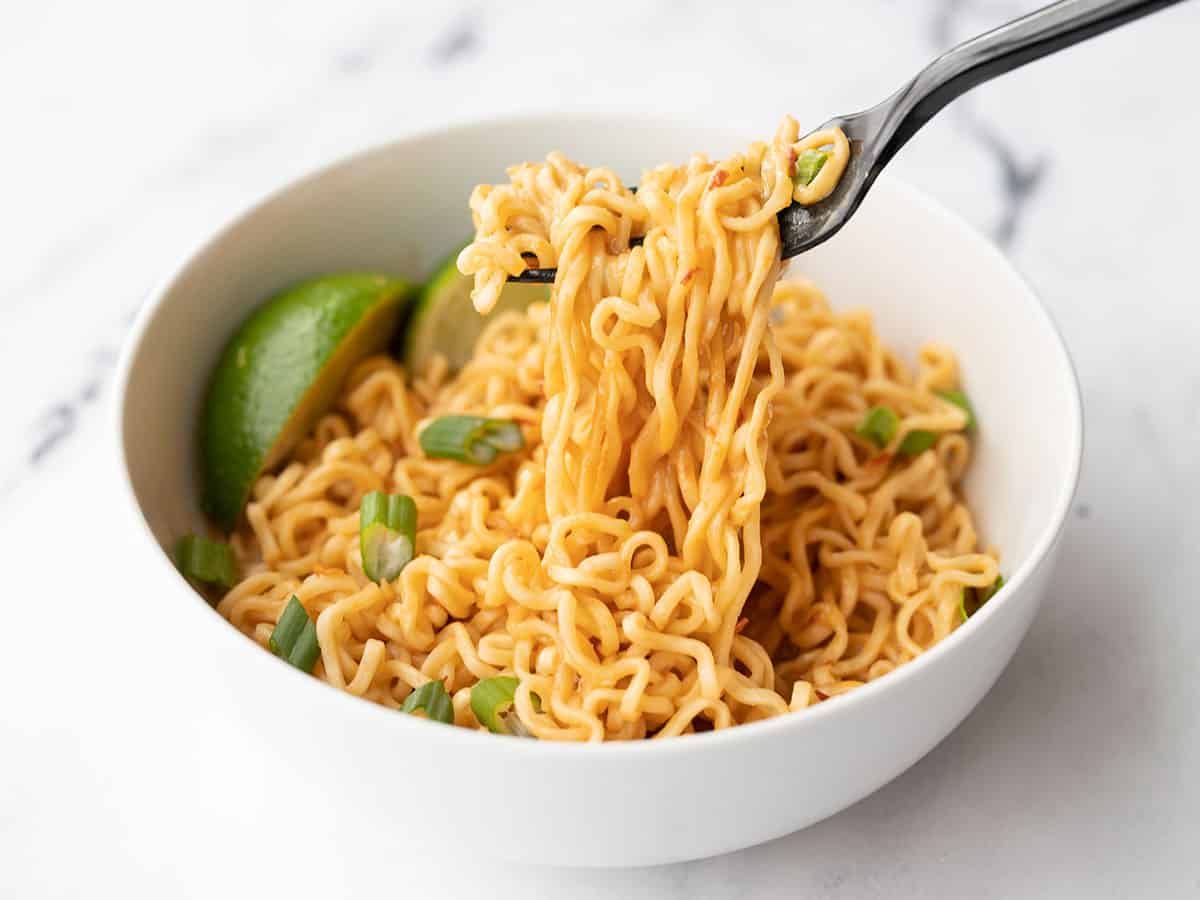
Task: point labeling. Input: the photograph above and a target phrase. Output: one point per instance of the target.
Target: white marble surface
(132, 128)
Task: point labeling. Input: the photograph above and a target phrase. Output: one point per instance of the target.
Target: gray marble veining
(1019, 178)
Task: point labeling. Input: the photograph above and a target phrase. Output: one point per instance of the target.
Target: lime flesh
(444, 320)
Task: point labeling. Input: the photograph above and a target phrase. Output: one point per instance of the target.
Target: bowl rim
(342, 703)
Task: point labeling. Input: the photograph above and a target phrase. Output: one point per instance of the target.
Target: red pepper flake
(688, 277)
(792, 157)
(880, 459)
(740, 626)
(719, 178)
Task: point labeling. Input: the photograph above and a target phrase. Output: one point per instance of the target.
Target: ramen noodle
(701, 530)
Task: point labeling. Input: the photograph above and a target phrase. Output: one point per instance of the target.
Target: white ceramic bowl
(398, 208)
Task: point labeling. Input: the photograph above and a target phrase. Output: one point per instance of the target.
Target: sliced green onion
(432, 698)
(879, 425)
(307, 651)
(808, 165)
(959, 399)
(295, 637)
(505, 435)
(979, 596)
(916, 442)
(492, 703)
(287, 630)
(471, 439)
(210, 562)
(387, 535)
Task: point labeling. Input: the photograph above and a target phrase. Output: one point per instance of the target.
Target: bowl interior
(923, 274)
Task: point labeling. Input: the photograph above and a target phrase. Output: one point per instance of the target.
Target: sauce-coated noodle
(695, 536)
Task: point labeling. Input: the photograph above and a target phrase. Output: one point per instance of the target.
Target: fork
(878, 133)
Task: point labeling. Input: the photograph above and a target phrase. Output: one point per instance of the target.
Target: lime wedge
(281, 371)
(444, 321)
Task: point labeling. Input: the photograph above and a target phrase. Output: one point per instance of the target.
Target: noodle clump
(695, 535)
